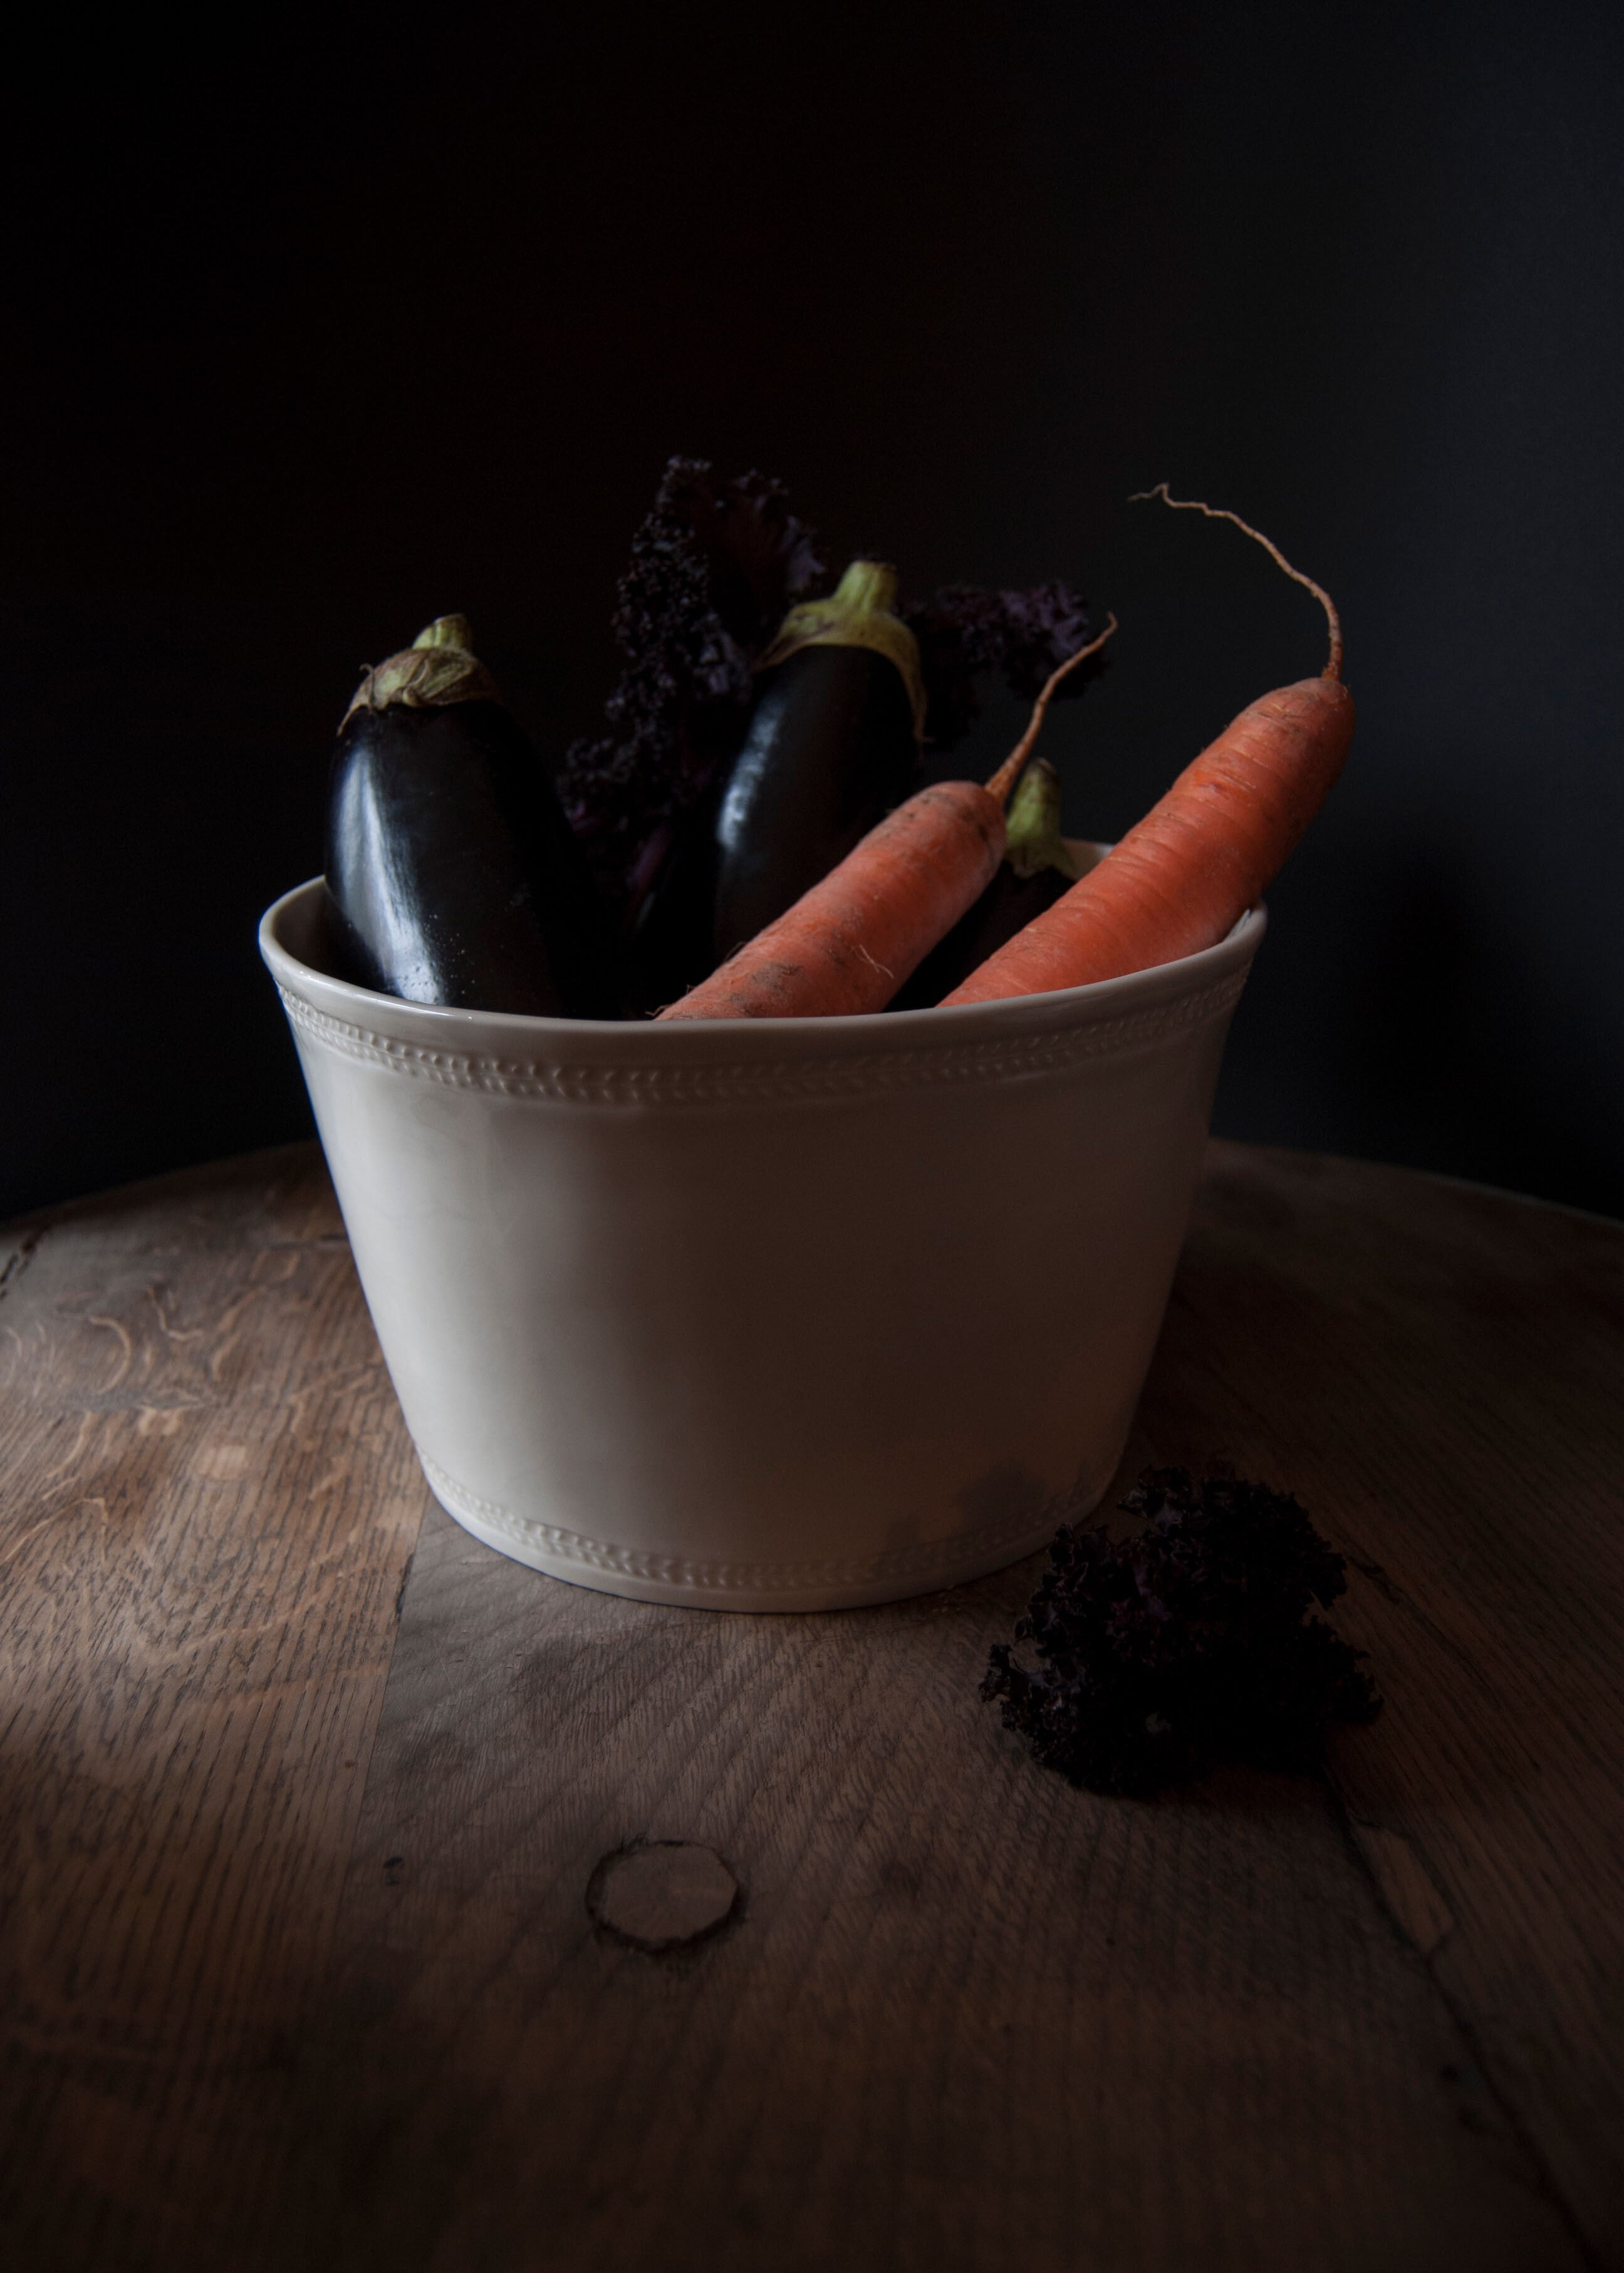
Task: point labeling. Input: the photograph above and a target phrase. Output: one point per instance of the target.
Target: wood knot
(663, 1894)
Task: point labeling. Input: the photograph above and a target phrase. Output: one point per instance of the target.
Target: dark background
(319, 329)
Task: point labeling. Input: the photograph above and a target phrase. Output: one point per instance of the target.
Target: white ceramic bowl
(786, 1314)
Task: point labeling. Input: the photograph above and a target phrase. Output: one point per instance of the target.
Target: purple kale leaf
(759, 558)
(1188, 1642)
(965, 634)
(714, 567)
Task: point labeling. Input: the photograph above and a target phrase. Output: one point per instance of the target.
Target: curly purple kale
(966, 634)
(1187, 1643)
(714, 569)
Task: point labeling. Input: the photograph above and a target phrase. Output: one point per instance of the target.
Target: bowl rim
(511, 1034)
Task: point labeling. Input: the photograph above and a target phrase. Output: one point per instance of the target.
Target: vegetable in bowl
(452, 875)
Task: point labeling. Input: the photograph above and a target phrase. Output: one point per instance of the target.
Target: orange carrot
(1181, 878)
(848, 944)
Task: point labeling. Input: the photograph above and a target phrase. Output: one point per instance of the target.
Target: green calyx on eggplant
(832, 743)
(452, 875)
(1039, 867)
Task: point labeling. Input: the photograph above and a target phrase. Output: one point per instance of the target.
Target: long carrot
(848, 944)
(1184, 875)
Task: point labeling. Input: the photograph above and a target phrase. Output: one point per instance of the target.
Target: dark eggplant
(832, 745)
(452, 875)
(1039, 867)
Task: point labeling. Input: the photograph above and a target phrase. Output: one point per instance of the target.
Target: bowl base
(686, 1583)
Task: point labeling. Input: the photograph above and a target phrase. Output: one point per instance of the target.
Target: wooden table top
(304, 1792)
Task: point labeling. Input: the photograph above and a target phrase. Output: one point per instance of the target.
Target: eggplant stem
(445, 631)
(857, 614)
(1001, 784)
(866, 584)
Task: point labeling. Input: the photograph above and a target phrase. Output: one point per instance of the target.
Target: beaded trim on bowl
(927, 1559)
(767, 1079)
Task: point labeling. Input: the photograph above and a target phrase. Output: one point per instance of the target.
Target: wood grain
(1439, 1373)
(960, 2015)
(209, 1508)
(969, 2015)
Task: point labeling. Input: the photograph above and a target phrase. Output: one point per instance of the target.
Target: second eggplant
(832, 744)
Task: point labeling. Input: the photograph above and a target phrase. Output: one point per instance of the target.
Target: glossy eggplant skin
(453, 876)
(829, 751)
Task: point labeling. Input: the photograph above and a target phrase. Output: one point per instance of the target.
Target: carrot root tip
(1333, 661)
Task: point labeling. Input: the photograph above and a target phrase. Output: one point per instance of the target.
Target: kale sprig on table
(1190, 1641)
(715, 568)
